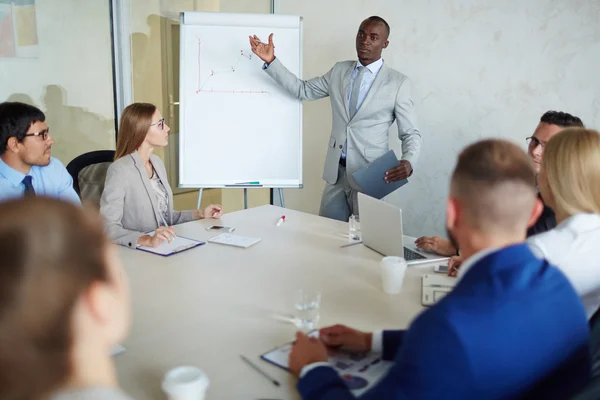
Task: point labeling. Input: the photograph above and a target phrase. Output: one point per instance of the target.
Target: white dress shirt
(574, 248)
(366, 83)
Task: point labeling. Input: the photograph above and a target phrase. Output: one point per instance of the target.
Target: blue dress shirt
(53, 180)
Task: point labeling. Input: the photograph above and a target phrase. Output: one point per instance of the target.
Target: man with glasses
(550, 124)
(26, 166)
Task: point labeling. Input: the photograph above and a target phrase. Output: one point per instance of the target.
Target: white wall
(480, 68)
(71, 80)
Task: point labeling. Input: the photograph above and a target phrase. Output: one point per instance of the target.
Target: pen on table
(280, 221)
(350, 244)
(250, 363)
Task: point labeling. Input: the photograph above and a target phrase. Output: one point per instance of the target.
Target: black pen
(250, 363)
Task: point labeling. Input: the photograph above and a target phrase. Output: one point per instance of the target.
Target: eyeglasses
(160, 123)
(43, 134)
(533, 142)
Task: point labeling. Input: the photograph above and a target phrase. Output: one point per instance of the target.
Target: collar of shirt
(374, 67)
(474, 259)
(12, 175)
(583, 222)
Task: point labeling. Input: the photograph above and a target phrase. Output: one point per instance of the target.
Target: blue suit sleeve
(392, 342)
(429, 364)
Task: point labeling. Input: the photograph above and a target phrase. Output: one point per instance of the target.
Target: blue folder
(370, 178)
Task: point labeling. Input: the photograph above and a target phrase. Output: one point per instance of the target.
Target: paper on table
(117, 349)
(177, 245)
(359, 371)
(234, 240)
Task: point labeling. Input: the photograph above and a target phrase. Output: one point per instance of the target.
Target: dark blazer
(513, 327)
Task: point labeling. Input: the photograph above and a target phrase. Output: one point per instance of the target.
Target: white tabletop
(208, 305)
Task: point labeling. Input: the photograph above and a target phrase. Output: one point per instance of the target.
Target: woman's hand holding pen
(161, 234)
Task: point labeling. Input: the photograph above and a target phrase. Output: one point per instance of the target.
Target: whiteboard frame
(182, 52)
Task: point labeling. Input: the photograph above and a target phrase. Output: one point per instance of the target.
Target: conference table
(207, 306)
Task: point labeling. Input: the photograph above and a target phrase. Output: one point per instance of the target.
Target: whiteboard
(237, 125)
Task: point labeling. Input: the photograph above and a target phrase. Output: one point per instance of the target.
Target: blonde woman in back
(137, 197)
(569, 182)
(64, 303)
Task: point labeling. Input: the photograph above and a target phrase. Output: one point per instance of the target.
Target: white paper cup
(185, 383)
(392, 274)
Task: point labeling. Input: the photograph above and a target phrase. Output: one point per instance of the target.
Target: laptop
(381, 230)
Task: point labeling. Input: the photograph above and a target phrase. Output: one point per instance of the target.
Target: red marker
(281, 220)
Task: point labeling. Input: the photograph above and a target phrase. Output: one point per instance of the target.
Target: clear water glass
(308, 303)
(354, 227)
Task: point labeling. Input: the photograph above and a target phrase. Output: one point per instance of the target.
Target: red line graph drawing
(202, 84)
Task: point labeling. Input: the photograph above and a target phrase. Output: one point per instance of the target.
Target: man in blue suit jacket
(513, 327)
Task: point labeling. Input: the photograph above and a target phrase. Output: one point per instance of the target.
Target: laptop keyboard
(410, 255)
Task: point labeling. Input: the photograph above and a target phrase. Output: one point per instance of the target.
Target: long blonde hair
(572, 166)
(133, 128)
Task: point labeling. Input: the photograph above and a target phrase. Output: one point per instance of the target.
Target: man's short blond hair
(494, 181)
(572, 165)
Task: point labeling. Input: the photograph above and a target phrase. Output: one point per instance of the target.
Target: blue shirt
(53, 180)
(366, 83)
(513, 327)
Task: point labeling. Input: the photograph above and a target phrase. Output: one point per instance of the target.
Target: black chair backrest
(89, 172)
(85, 160)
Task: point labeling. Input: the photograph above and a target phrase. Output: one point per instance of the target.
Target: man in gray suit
(366, 98)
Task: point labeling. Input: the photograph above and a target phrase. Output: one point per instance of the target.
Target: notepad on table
(234, 240)
(177, 245)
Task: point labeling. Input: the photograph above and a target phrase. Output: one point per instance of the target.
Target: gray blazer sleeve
(179, 217)
(408, 133)
(312, 89)
(112, 205)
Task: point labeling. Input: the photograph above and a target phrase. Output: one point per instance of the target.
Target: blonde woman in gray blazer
(137, 197)
(366, 98)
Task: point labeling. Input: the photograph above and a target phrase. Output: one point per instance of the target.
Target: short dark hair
(562, 119)
(15, 120)
(495, 181)
(375, 18)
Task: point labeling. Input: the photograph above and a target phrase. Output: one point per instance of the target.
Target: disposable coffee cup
(185, 383)
(392, 274)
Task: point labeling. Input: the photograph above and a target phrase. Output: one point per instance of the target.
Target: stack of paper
(234, 240)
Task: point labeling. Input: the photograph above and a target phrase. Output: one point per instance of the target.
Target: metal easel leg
(199, 198)
(281, 197)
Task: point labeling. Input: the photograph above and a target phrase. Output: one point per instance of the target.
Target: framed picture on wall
(18, 29)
